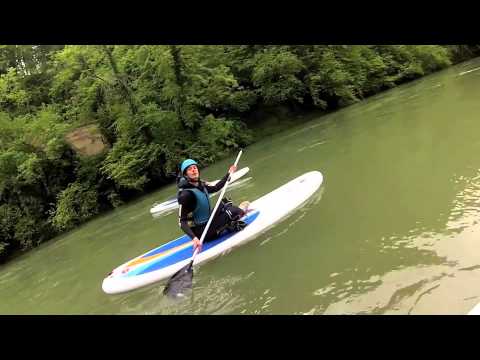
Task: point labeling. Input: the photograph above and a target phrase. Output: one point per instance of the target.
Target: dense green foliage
(155, 105)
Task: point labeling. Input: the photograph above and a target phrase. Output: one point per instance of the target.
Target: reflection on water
(421, 289)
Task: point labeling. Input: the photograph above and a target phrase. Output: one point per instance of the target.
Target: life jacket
(201, 213)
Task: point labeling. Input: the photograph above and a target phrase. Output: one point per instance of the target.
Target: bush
(76, 204)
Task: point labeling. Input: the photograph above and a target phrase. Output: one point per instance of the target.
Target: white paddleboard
(172, 203)
(162, 262)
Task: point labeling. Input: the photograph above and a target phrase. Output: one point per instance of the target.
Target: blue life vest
(201, 214)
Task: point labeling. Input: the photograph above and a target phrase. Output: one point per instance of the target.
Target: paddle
(182, 279)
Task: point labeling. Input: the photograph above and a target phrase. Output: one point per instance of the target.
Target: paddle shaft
(204, 233)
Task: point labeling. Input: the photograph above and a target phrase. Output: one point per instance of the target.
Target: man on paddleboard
(194, 205)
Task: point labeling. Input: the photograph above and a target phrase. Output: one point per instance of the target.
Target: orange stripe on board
(165, 253)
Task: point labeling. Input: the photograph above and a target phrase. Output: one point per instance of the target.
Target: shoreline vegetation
(85, 129)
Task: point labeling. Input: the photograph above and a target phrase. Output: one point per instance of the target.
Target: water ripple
(468, 71)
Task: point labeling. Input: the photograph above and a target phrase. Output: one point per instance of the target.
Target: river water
(394, 229)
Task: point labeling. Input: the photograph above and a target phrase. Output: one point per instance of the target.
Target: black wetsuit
(225, 215)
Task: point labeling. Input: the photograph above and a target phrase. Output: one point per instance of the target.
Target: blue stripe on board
(178, 241)
(186, 253)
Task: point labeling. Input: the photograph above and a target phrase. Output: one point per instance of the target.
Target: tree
(276, 76)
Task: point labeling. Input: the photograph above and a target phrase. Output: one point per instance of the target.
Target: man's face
(192, 172)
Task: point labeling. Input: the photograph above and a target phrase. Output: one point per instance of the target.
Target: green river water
(394, 229)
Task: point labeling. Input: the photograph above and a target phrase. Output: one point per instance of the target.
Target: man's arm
(185, 200)
(218, 186)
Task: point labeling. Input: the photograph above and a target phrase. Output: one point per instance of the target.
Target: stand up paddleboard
(162, 262)
(172, 204)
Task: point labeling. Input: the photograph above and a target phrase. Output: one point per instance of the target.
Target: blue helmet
(186, 164)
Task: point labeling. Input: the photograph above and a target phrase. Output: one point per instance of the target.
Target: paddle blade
(180, 282)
